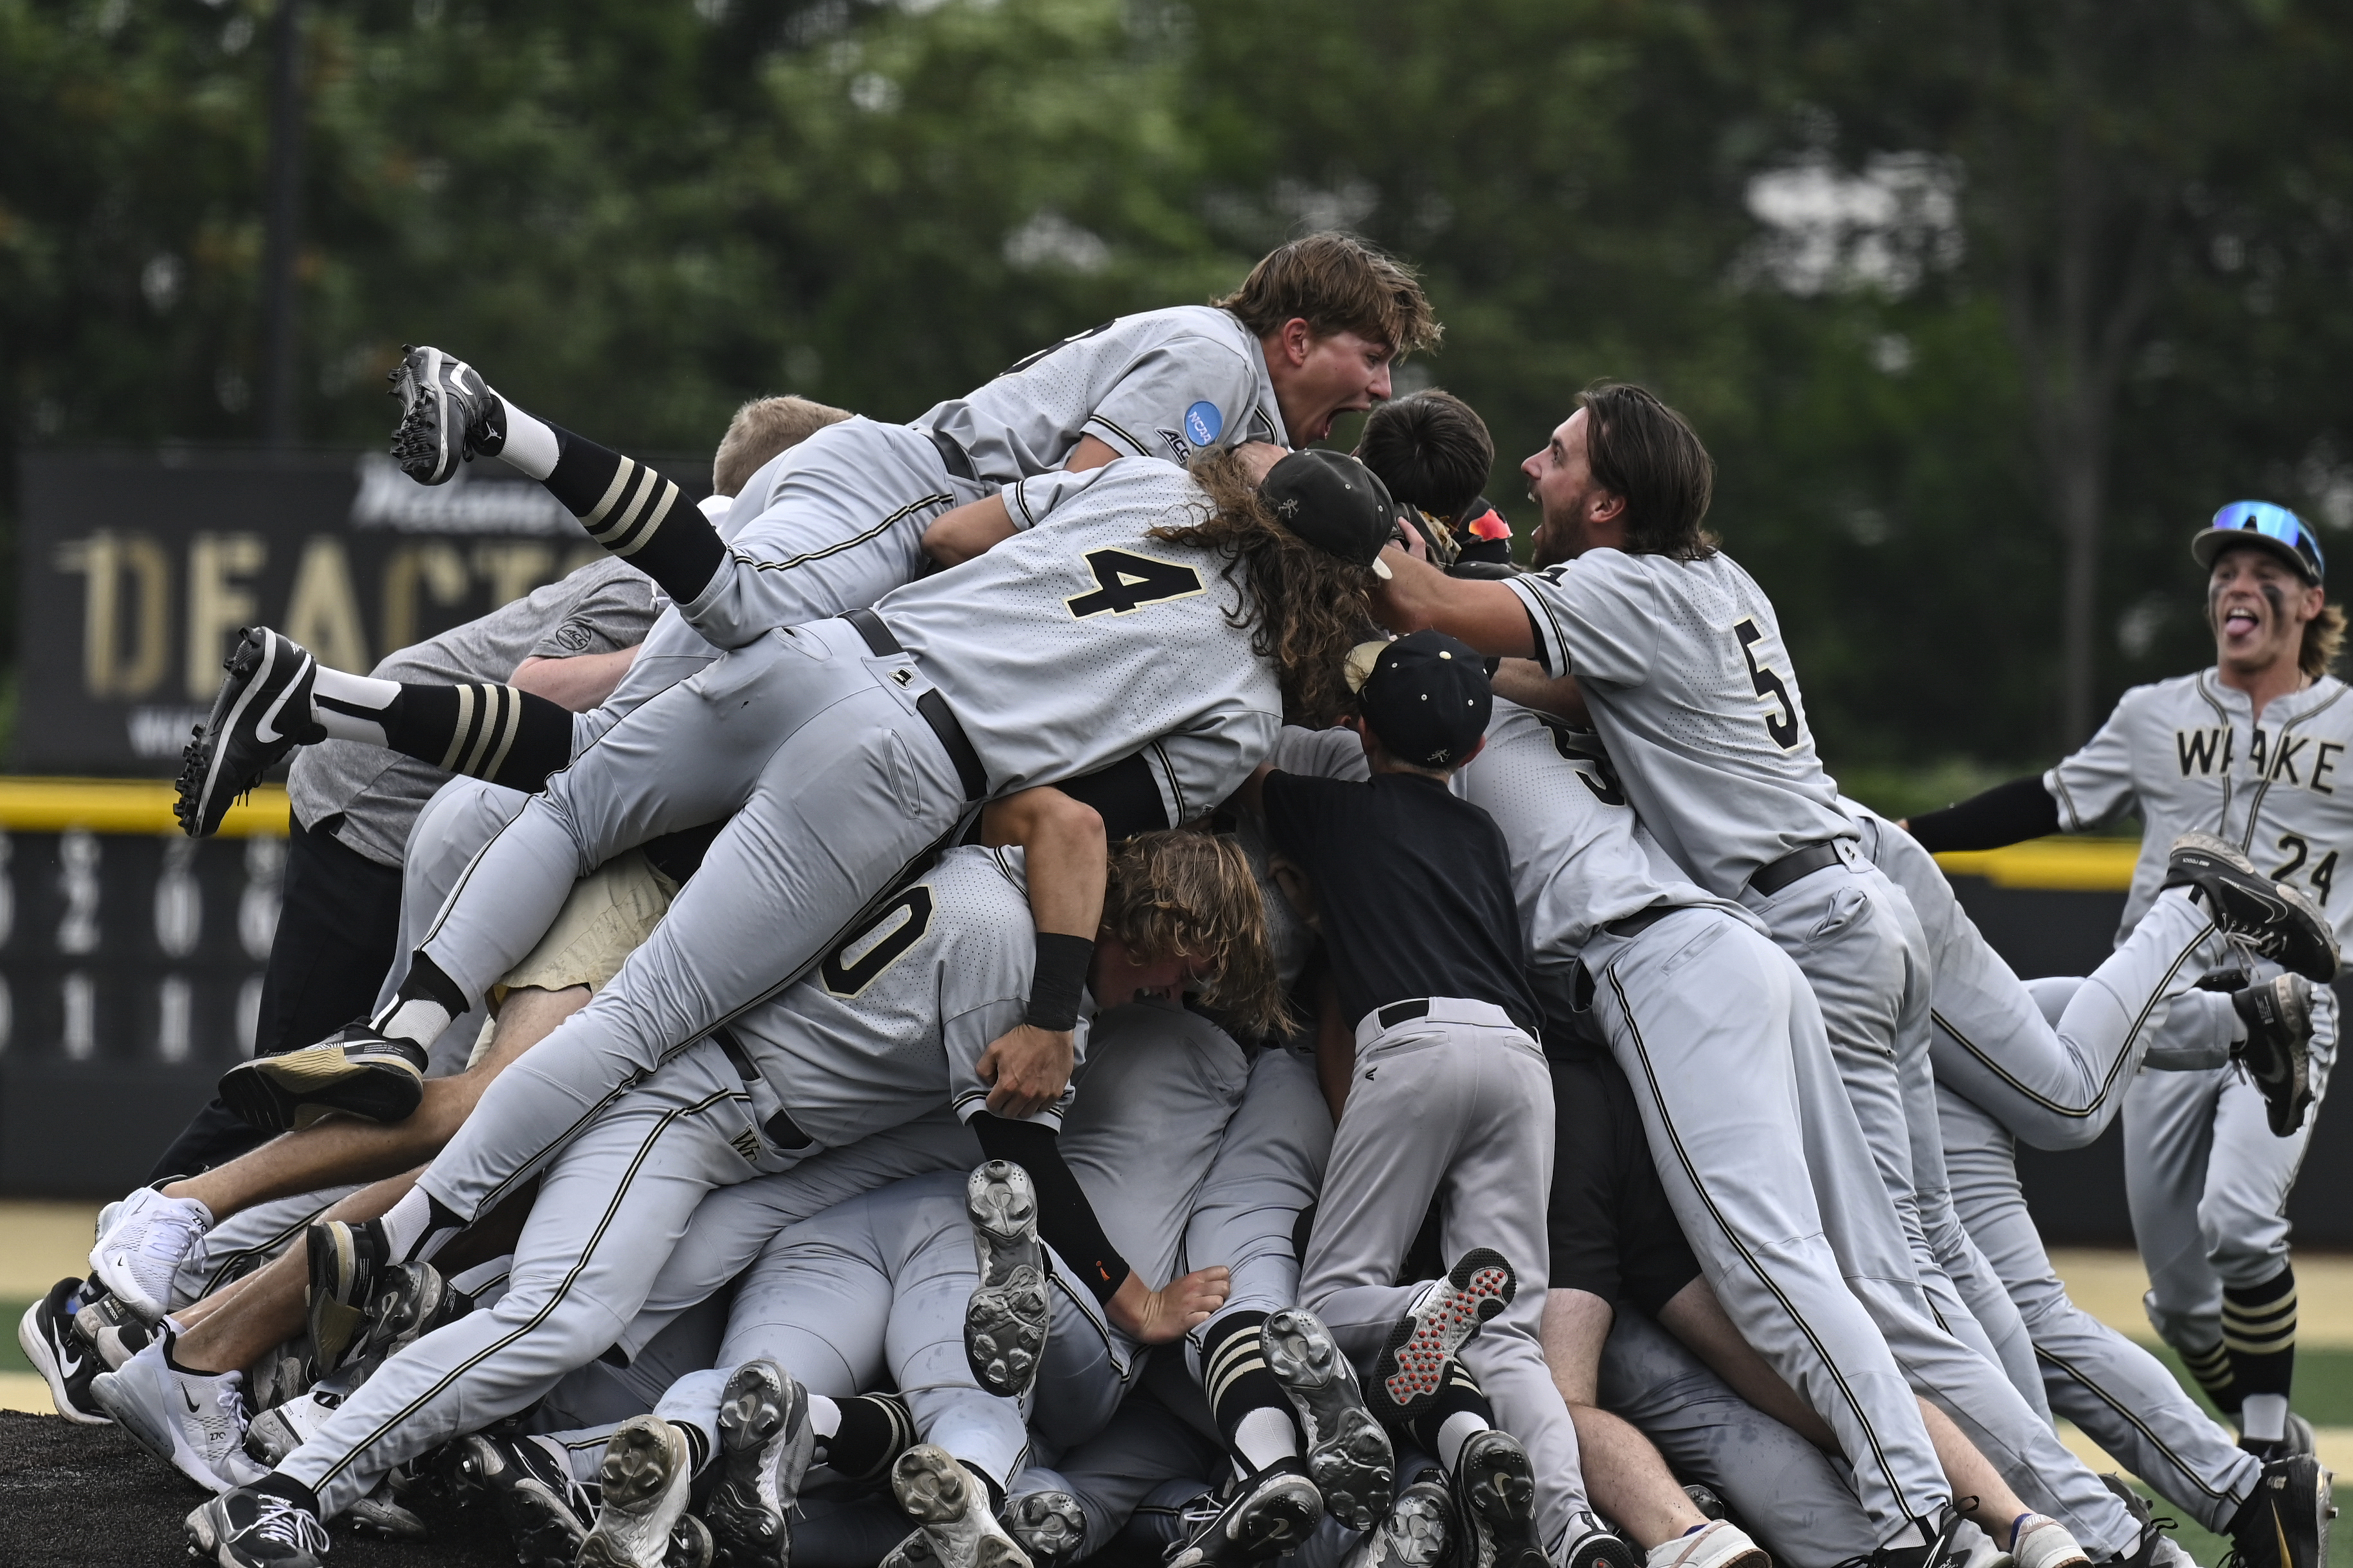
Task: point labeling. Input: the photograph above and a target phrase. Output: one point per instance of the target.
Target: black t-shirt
(1415, 889)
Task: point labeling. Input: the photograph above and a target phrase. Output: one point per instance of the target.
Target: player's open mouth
(2240, 621)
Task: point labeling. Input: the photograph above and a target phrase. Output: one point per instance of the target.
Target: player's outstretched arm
(962, 532)
(2006, 814)
(578, 683)
(1158, 1317)
(1417, 596)
(1068, 859)
(1524, 681)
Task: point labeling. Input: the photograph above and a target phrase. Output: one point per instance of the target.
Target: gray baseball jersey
(1087, 619)
(2189, 756)
(1164, 384)
(1685, 672)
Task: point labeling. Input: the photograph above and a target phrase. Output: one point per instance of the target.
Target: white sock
(1265, 1436)
(825, 1416)
(2262, 1417)
(531, 445)
(1459, 1429)
(417, 1019)
(404, 1222)
(362, 691)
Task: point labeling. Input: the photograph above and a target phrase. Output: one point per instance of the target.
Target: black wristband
(1057, 981)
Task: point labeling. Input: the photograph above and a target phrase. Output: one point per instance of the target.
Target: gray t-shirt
(1685, 672)
(1164, 384)
(604, 607)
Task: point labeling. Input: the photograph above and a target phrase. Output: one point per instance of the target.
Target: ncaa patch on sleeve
(1202, 422)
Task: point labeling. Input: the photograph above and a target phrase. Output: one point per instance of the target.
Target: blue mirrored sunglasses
(2275, 522)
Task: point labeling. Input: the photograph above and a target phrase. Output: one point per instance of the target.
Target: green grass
(12, 1359)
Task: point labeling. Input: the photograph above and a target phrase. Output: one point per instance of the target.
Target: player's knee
(2242, 1247)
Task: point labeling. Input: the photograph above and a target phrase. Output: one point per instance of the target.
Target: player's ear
(1297, 338)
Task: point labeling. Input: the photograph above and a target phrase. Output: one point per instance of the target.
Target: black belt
(952, 453)
(1772, 877)
(780, 1129)
(1397, 1013)
(1641, 921)
(931, 706)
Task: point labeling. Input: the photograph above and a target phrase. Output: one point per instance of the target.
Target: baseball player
(1435, 453)
(1675, 653)
(2246, 751)
(894, 1022)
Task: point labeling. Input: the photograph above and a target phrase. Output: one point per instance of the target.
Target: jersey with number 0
(894, 1022)
(2189, 757)
(1684, 670)
(1164, 384)
(1072, 644)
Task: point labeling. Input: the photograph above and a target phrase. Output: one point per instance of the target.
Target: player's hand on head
(1026, 1068)
(1158, 1317)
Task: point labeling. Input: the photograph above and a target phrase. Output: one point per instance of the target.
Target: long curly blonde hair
(1184, 894)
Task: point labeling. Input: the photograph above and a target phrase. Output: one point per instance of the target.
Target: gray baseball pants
(1854, 935)
(841, 783)
(2117, 1392)
(1455, 1105)
(1754, 1141)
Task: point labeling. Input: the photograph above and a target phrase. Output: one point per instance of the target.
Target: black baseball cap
(1426, 698)
(1334, 502)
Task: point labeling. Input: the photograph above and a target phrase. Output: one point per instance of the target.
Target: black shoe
(1496, 1501)
(547, 1512)
(449, 414)
(1418, 1532)
(2286, 1523)
(2271, 919)
(1411, 1367)
(766, 1442)
(250, 1529)
(354, 1070)
(261, 712)
(1006, 1319)
(409, 1302)
(1050, 1527)
(1263, 1516)
(348, 1265)
(45, 1334)
(1348, 1456)
(2277, 1053)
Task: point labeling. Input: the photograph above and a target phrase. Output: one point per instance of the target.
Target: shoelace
(169, 1232)
(280, 1524)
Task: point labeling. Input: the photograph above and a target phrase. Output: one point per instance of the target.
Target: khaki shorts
(610, 911)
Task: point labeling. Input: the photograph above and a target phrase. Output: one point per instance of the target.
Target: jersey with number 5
(2190, 756)
(1684, 673)
(1075, 642)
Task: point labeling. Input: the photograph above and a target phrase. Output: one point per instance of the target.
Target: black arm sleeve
(1066, 1221)
(2006, 814)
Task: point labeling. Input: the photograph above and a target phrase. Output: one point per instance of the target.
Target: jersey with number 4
(1076, 642)
(1684, 673)
(1163, 384)
(2190, 756)
(894, 1022)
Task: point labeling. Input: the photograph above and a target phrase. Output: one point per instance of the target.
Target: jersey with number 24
(2190, 756)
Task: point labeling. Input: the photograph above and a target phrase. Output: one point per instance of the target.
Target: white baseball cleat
(2041, 1541)
(142, 1250)
(197, 1420)
(1718, 1543)
(951, 1509)
(643, 1483)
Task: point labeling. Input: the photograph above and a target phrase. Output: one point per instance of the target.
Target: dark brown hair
(1645, 452)
(1431, 449)
(762, 428)
(1306, 608)
(1181, 894)
(1337, 283)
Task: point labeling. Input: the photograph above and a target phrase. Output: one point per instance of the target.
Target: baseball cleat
(449, 416)
(2270, 919)
(261, 712)
(409, 1302)
(2277, 1051)
(195, 1420)
(1411, 1368)
(354, 1070)
(950, 1507)
(2286, 1523)
(249, 1529)
(45, 1334)
(764, 1443)
(2041, 1541)
(1049, 1526)
(1418, 1533)
(1495, 1500)
(1348, 1456)
(140, 1251)
(547, 1512)
(1005, 1321)
(381, 1514)
(1263, 1516)
(2300, 1438)
(641, 1520)
(1716, 1544)
(348, 1263)
(282, 1428)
